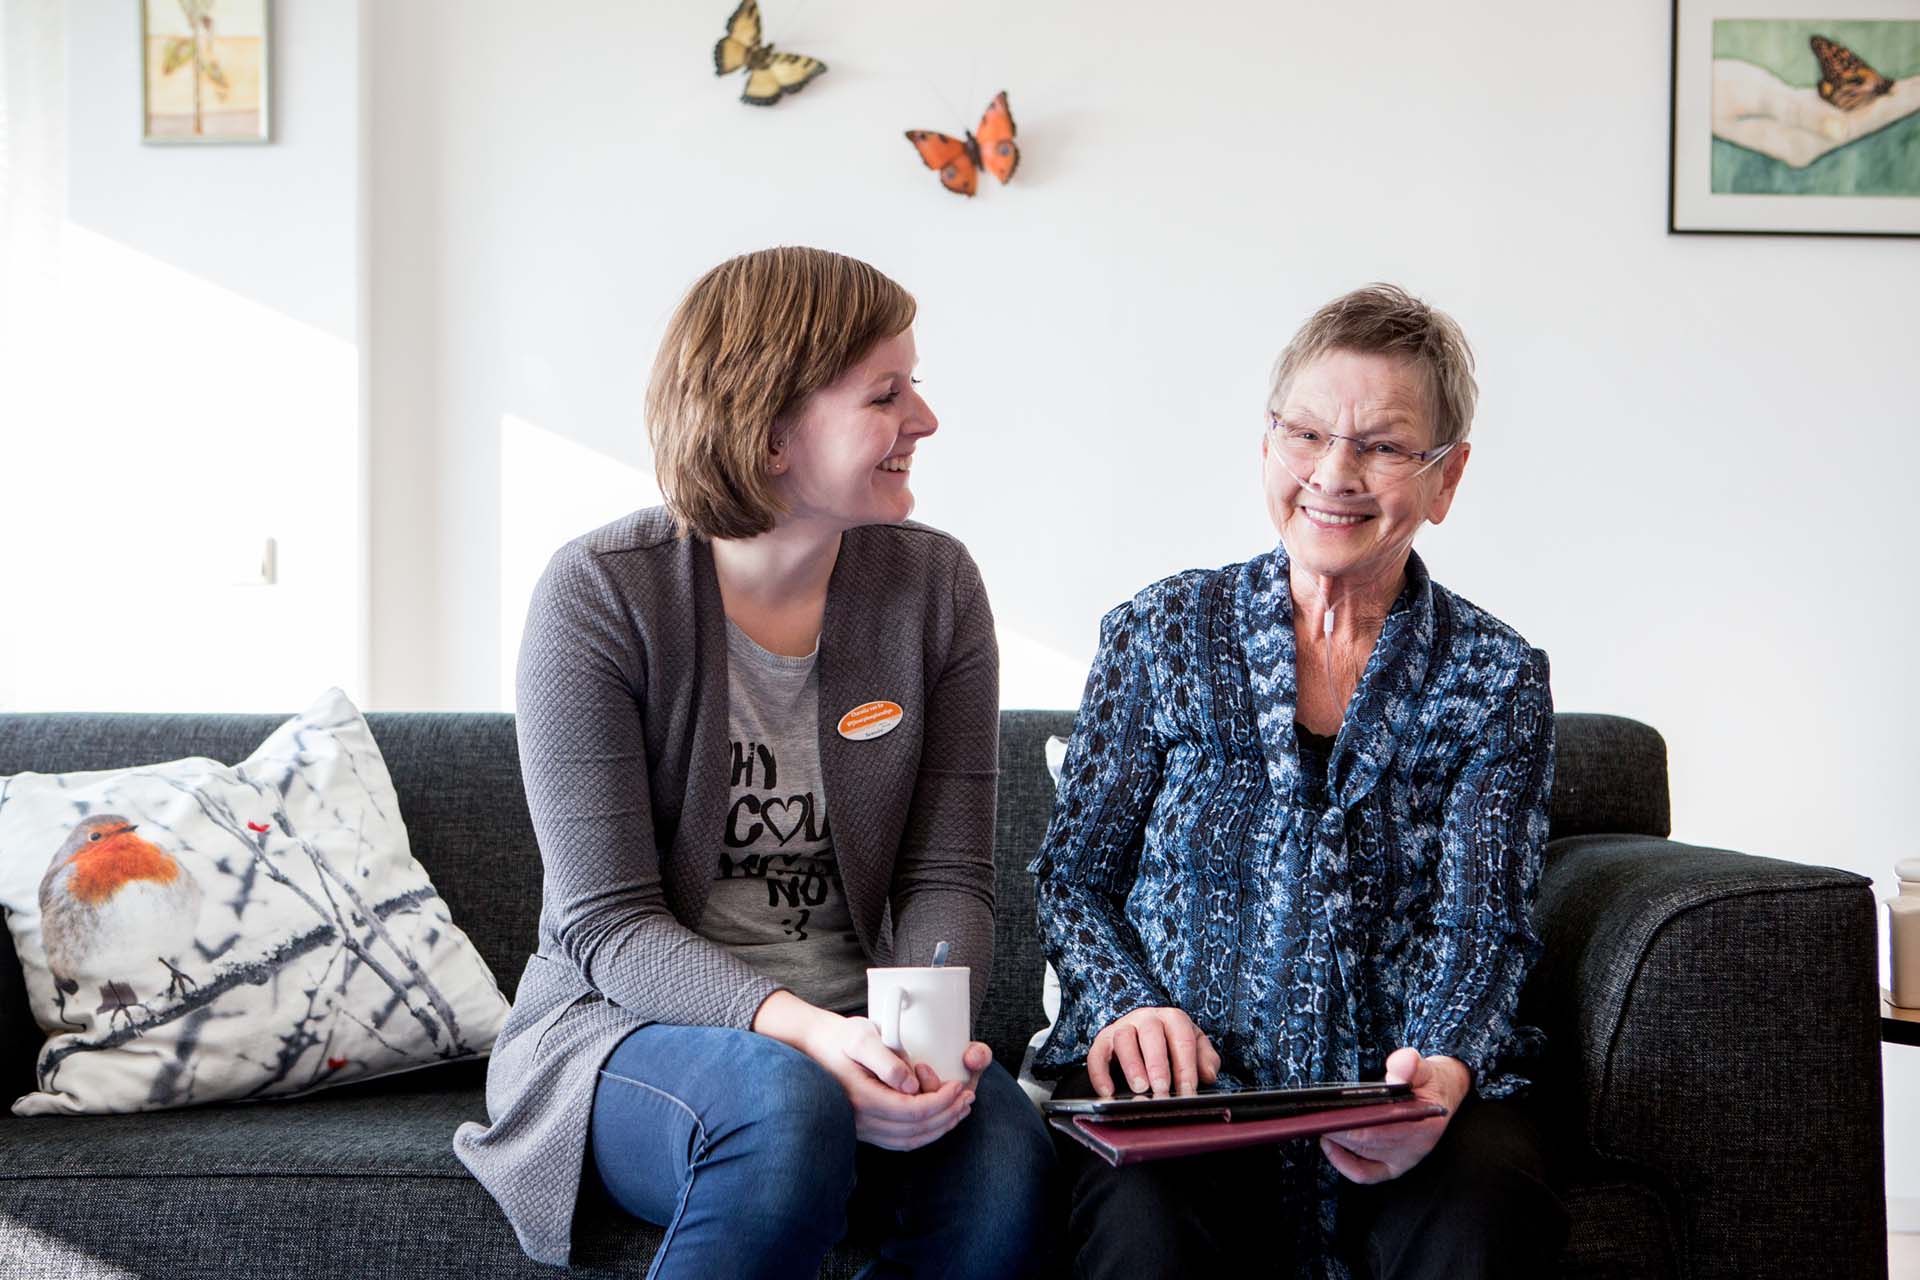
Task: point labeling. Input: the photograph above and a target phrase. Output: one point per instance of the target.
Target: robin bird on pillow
(110, 905)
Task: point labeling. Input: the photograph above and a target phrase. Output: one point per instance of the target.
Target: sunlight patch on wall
(552, 490)
(162, 429)
(1035, 675)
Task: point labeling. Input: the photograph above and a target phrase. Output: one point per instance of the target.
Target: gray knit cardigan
(622, 719)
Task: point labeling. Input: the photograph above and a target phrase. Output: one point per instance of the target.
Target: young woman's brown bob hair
(752, 339)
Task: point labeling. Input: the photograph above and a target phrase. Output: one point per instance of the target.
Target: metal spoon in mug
(940, 950)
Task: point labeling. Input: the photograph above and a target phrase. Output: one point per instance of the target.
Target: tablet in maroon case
(1135, 1141)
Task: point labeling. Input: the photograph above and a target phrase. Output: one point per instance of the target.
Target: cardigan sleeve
(580, 689)
(943, 872)
(1091, 853)
(1475, 947)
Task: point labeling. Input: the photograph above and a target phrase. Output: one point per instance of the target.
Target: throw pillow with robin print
(194, 932)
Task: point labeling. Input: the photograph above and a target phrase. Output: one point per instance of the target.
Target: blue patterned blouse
(1190, 862)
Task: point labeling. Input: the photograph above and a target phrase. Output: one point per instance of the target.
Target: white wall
(1693, 454)
(182, 381)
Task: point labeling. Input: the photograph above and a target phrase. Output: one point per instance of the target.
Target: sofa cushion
(457, 775)
(405, 1128)
(360, 1180)
(193, 931)
(466, 811)
(417, 1226)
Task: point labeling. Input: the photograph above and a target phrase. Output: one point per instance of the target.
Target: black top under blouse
(1316, 753)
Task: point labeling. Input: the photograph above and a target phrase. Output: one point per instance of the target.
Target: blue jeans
(743, 1150)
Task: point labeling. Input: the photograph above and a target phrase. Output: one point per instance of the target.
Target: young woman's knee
(796, 1120)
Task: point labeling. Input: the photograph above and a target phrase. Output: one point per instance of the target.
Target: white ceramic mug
(923, 1015)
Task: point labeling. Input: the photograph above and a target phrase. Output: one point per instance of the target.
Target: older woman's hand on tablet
(1159, 1050)
(1386, 1151)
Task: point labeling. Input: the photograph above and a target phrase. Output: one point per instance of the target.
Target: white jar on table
(1903, 935)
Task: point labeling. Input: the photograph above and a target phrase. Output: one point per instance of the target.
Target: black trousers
(1477, 1206)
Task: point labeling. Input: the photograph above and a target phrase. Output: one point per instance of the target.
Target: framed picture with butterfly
(1788, 121)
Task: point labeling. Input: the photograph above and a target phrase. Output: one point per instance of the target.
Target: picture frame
(1786, 121)
(204, 71)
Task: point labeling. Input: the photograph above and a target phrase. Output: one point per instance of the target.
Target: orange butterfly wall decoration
(959, 162)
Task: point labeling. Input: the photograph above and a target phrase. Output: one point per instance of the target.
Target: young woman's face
(845, 456)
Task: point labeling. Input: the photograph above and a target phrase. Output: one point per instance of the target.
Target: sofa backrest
(1609, 775)
(458, 778)
(1012, 1010)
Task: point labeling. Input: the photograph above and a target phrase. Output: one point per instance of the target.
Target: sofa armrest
(1715, 1017)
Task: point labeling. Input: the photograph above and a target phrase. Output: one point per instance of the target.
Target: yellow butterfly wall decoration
(770, 76)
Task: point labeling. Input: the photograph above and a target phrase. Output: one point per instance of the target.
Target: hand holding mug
(891, 1108)
(977, 1058)
(895, 1104)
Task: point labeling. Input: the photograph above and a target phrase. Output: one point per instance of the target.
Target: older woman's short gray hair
(1384, 319)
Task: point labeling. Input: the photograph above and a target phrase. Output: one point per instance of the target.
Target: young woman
(722, 862)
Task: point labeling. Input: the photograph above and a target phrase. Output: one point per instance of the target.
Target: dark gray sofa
(1713, 1080)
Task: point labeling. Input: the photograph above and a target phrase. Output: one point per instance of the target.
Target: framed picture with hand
(1787, 121)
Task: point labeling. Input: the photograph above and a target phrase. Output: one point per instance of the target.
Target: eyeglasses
(1302, 446)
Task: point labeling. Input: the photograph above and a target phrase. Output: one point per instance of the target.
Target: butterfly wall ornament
(771, 76)
(958, 162)
(1845, 80)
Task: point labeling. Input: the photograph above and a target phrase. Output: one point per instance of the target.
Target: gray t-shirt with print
(777, 901)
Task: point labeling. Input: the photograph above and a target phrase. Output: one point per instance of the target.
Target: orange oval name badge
(870, 720)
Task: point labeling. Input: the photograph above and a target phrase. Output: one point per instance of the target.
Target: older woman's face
(1334, 517)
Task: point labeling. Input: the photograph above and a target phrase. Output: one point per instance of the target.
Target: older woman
(1297, 839)
(722, 861)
